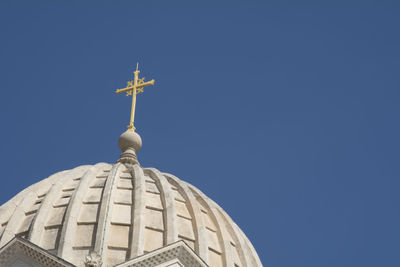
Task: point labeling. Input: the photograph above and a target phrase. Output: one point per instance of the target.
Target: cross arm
(118, 91)
(145, 84)
(140, 85)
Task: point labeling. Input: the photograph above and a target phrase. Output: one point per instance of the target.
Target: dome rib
(42, 214)
(104, 217)
(171, 231)
(137, 236)
(255, 260)
(18, 215)
(244, 249)
(222, 249)
(71, 216)
(7, 210)
(243, 257)
(201, 244)
(225, 242)
(223, 238)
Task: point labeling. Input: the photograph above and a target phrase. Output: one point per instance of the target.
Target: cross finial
(133, 88)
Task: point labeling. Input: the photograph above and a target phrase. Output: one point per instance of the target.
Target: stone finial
(93, 259)
(129, 142)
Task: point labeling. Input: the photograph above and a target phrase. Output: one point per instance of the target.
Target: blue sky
(285, 114)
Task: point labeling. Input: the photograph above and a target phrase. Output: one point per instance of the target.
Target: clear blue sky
(285, 114)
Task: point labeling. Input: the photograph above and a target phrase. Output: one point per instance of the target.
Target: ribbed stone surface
(122, 213)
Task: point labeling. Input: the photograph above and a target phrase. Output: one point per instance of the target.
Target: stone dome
(121, 211)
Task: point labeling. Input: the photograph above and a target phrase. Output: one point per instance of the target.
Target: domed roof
(122, 211)
(107, 214)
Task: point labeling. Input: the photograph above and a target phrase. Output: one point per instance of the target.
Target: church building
(119, 214)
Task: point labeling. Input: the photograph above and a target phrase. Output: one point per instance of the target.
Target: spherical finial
(130, 143)
(130, 139)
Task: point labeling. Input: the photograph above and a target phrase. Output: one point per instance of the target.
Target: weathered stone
(105, 214)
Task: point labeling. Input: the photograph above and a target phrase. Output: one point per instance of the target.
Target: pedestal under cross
(133, 88)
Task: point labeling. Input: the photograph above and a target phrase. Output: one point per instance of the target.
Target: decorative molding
(19, 246)
(178, 250)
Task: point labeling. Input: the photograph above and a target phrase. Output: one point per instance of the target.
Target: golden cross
(133, 88)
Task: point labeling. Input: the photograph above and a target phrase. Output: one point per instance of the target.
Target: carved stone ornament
(93, 259)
